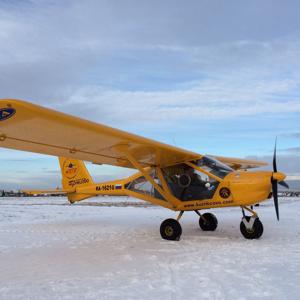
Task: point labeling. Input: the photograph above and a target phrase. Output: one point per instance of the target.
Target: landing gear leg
(251, 227)
(170, 229)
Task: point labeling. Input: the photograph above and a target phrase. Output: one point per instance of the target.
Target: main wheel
(208, 222)
(170, 229)
(252, 233)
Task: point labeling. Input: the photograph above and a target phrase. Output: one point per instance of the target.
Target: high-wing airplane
(168, 176)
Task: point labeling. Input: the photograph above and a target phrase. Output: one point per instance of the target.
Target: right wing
(239, 163)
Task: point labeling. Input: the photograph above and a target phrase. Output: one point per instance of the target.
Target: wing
(29, 127)
(240, 164)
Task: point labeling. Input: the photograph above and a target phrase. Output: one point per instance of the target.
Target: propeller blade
(275, 196)
(283, 183)
(274, 157)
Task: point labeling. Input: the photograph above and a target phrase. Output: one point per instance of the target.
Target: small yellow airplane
(168, 176)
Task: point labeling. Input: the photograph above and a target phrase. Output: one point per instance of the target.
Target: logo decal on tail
(6, 113)
(70, 169)
(78, 181)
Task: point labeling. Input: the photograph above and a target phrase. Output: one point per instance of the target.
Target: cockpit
(185, 182)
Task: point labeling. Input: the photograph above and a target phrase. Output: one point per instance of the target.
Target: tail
(74, 173)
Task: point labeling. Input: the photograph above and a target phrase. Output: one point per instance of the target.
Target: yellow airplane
(168, 176)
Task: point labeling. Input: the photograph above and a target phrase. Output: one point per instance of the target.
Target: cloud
(294, 177)
(288, 164)
(295, 150)
(195, 73)
(60, 50)
(67, 54)
(295, 135)
(210, 99)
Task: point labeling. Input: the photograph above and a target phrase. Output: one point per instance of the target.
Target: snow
(110, 248)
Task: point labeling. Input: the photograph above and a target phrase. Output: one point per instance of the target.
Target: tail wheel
(208, 222)
(170, 229)
(251, 232)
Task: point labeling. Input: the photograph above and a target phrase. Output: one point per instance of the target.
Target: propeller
(275, 180)
(283, 183)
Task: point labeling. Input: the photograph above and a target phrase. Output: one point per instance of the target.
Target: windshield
(214, 166)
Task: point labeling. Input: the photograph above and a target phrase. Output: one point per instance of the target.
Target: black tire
(254, 233)
(171, 230)
(208, 222)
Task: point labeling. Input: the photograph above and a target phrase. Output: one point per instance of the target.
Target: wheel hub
(169, 231)
(250, 230)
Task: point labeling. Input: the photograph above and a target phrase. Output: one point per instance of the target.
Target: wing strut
(145, 172)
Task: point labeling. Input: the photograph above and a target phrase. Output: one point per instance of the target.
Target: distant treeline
(289, 193)
(4, 193)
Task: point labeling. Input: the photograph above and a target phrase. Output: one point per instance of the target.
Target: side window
(143, 186)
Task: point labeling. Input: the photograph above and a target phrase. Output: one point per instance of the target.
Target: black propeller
(283, 183)
(275, 196)
(275, 183)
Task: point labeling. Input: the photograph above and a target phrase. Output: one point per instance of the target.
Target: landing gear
(171, 230)
(251, 227)
(208, 222)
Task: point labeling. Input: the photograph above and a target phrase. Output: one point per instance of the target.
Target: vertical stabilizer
(74, 174)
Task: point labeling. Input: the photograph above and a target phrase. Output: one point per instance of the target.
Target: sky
(217, 77)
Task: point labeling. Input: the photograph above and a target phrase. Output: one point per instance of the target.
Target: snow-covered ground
(52, 250)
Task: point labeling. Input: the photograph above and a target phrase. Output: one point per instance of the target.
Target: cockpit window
(214, 166)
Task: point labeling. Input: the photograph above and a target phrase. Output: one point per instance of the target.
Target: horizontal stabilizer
(45, 192)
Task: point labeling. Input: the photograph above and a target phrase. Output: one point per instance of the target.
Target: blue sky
(220, 77)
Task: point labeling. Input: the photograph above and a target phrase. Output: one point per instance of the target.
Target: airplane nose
(278, 176)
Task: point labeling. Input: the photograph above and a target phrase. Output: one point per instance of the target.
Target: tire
(171, 230)
(208, 222)
(254, 233)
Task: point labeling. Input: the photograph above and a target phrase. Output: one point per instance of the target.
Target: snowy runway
(85, 251)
